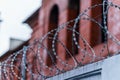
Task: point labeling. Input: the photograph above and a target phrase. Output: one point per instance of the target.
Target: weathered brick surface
(88, 29)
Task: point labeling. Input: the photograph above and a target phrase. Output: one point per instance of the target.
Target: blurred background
(13, 32)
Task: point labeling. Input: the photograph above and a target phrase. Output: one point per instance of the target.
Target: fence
(29, 62)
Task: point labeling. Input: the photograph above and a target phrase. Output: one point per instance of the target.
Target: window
(73, 12)
(104, 9)
(97, 35)
(53, 23)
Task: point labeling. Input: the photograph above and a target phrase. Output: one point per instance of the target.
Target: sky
(13, 13)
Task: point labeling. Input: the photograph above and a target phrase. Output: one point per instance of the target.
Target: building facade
(54, 13)
(67, 34)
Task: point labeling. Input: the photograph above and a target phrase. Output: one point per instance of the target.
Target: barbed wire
(30, 62)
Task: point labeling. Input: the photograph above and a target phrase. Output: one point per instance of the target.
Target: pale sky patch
(13, 13)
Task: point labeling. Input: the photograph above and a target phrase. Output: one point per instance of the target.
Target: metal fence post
(23, 65)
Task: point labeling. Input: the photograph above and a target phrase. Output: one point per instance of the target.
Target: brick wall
(46, 21)
(88, 29)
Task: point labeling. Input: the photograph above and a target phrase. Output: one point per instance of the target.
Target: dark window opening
(73, 12)
(103, 32)
(97, 35)
(53, 23)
